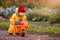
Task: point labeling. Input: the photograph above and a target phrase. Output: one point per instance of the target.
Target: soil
(4, 36)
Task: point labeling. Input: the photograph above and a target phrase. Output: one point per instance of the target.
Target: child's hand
(17, 22)
(12, 23)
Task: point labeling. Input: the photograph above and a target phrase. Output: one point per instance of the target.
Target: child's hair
(21, 9)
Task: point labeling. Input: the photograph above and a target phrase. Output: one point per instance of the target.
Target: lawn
(46, 28)
(37, 27)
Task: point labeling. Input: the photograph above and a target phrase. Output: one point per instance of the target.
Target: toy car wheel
(23, 33)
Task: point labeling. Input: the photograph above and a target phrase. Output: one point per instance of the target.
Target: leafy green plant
(36, 17)
(55, 18)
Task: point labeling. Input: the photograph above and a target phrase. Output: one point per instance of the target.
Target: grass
(4, 24)
(33, 27)
(50, 30)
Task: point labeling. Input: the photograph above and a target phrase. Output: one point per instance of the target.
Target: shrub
(36, 17)
(33, 16)
(55, 18)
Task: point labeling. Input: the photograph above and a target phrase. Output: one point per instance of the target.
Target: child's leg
(10, 30)
(14, 32)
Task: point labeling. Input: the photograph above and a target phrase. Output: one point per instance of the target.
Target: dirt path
(4, 36)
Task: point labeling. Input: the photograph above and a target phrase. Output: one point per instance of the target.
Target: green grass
(33, 24)
(50, 30)
(4, 24)
(33, 27)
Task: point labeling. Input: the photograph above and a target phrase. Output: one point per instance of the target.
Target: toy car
(21, 28)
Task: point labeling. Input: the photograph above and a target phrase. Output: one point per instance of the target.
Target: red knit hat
(22, 9)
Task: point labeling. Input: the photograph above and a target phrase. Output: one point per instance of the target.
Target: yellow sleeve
(24, 17)
(12, 19)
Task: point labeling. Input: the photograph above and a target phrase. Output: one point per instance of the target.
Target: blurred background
(43, 16)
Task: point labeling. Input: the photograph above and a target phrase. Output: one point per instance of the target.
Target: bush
(55, 18)
(33, 16)
(44, 18)
(30, 6)
(36, 17)
(51, 15)
(29, 16)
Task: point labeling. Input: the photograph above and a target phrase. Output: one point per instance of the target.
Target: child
(19, 13)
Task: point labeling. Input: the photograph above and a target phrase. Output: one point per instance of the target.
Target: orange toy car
(21, 28)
